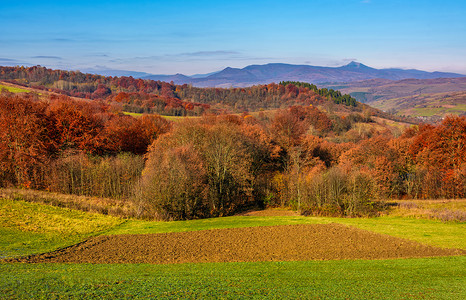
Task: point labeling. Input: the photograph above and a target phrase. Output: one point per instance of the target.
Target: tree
(77, 125)
(441, 151)
(24, 140)
(174, 183)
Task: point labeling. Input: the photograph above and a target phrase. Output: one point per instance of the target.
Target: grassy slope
(27, 228)
(170, 118)
(13, 89)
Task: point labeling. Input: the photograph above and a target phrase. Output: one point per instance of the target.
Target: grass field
(170, 118)
(436, 278)
(13, 89)
(28, 228)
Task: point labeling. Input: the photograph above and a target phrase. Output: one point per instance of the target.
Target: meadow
(433, 278)
(29, 228)
(169, 118)
(13, 89)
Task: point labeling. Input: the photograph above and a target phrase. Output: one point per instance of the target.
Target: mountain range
(276, 72)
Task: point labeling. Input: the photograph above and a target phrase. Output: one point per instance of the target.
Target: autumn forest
(288, 144)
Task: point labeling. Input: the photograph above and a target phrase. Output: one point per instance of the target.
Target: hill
(384, 89)
(149, 96)
(276, 72)
(429, 107)
(428, 99)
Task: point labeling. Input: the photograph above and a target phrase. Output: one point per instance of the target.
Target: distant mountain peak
(355, 65)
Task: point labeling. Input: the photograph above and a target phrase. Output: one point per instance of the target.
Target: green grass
(429, 232)
(460, 108)
(170, 118)
(136, 115)
(434, 278)
(178, 118)
(435, 111)
(13, 89)
(28, 228)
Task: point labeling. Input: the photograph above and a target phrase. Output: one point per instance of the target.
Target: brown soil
(270, 213)
(273, 243)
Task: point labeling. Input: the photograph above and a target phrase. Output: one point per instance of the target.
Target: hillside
(425, 99)
(430, 107)
(276, 72)
(384, 89)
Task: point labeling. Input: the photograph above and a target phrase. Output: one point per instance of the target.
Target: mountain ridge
(276, 72)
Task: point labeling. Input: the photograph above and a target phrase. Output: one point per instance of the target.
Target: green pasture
(28, 228)
(132, 114)
(13, 89)
(170, 118)
(433, 278)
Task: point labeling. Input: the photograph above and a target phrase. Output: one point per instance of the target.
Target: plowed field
(273, 243)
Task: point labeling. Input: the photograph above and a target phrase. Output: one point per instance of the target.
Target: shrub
(334, 193)
(81, 174)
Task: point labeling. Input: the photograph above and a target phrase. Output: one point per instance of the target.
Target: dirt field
(270, 213)
(274, 243)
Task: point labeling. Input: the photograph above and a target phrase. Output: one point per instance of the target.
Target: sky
(202, 36)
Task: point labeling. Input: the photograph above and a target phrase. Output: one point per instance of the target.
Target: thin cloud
(193, 56)
(7, 59)
(96, 55)
(63, 40)
(10, 62)
(211, 53)
(47, 57)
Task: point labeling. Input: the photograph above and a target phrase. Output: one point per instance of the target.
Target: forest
(149, 96)
(303, 156)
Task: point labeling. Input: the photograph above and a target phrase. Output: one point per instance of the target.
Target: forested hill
(149, 96)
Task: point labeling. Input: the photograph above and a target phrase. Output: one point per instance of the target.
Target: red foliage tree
(24, 140)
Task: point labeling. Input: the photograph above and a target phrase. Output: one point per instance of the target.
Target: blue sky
(168, 37)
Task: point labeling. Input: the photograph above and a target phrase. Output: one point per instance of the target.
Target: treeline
(149, 96)
(331, 94)
(58, 143)
(127, 93)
